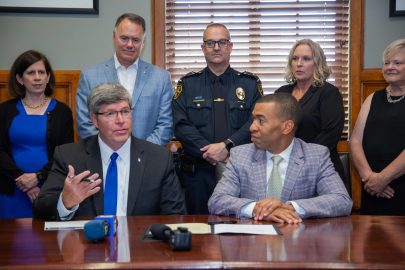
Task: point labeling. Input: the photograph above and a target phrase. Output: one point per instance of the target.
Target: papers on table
(64, 225)
(204, 228)
(266, 229)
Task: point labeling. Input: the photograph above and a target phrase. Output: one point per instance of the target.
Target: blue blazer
(311, 181)
(151, 100)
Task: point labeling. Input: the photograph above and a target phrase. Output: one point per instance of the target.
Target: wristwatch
(41, 177)
(229, 144)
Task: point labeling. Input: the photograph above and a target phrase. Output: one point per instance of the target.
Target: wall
(380, 30)
(71, 41)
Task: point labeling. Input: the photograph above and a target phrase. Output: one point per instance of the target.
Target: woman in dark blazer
(321, 102)
(31, 126)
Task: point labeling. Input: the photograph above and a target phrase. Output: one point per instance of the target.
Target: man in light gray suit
(149, 86)
(304, 184)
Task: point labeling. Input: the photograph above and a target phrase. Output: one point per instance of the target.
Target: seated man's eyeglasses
(222, 43)
(125, 113)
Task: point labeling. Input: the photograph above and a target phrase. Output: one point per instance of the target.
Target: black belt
(190, 164)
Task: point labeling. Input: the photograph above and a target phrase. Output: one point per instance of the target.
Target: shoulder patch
(179, 87)
(254, 76)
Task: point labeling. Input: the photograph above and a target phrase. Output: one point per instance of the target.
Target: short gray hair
(107, 93)
(217, 25)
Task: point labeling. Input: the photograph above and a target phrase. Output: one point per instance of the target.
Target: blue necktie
(111, 187)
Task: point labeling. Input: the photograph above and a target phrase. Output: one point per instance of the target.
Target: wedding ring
(70, 176)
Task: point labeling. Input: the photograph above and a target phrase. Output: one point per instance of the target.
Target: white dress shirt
(123, 165)
(127, 76)
(247, 210)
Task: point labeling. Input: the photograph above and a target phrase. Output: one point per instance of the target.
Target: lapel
(110, 72)
(295, 165)
(259, 174)
(137, 167)
(141, 79)
(93, 164)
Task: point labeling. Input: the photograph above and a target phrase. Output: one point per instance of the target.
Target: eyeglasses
(222, 43)
(126, 39)
(111, 115)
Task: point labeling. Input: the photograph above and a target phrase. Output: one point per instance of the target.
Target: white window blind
(263, 33)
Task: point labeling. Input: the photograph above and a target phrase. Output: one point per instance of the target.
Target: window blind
(263, 33)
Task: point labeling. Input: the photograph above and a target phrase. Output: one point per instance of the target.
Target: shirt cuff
(247, 210)
(298, 209)
(65, 214)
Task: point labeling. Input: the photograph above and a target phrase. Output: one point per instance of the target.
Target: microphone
(96, 230)
(179, 239)
(161, 232)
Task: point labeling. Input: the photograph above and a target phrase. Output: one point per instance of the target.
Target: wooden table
(355, 242)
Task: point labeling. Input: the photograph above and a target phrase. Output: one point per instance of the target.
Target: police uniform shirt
(193, 109)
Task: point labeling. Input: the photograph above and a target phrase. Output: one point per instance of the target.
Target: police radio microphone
(96, 230)
(179, 239)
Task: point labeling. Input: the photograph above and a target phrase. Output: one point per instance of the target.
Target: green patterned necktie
(275, 184)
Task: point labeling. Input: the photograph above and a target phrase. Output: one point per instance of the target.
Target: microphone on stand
(179, 239)
(161, 232)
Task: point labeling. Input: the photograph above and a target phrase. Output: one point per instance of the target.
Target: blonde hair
(393, 48)
(322, 70)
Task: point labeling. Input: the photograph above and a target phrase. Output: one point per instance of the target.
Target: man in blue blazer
(149, 86)
(304, 184)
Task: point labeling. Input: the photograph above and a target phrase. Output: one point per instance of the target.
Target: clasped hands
(271, 209)
(27, 182)
(215, 152)
(75, 190)
(377, 185)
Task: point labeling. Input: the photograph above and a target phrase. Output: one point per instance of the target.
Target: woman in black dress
(321, 102)
(378, 140)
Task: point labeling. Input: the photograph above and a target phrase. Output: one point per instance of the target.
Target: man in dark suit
(143, 176)
(279, 177)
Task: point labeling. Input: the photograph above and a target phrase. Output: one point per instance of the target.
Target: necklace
(33, 107)
(389, 98)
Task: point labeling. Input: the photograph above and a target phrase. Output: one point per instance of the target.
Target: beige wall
(71, 41)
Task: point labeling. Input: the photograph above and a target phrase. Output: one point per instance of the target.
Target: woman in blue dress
(31, 126)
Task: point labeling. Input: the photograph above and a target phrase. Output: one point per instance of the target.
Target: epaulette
(179, 87)
(192, 73)
(252, 75)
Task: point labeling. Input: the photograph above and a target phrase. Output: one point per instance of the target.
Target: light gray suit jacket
(311, 181)
(151, 100)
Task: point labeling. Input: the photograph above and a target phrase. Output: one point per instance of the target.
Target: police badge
(240, 93)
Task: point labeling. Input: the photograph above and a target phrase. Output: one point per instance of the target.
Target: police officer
(211, 113)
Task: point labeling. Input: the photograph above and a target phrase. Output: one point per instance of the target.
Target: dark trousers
(198, 186)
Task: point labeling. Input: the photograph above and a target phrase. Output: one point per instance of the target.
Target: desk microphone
(179, 239)
(161, 232)
(96, 230)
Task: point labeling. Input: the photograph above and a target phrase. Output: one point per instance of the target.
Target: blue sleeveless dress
(29, 150)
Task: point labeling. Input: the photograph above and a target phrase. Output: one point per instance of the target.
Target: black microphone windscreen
(96, 230)
(160, 231)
